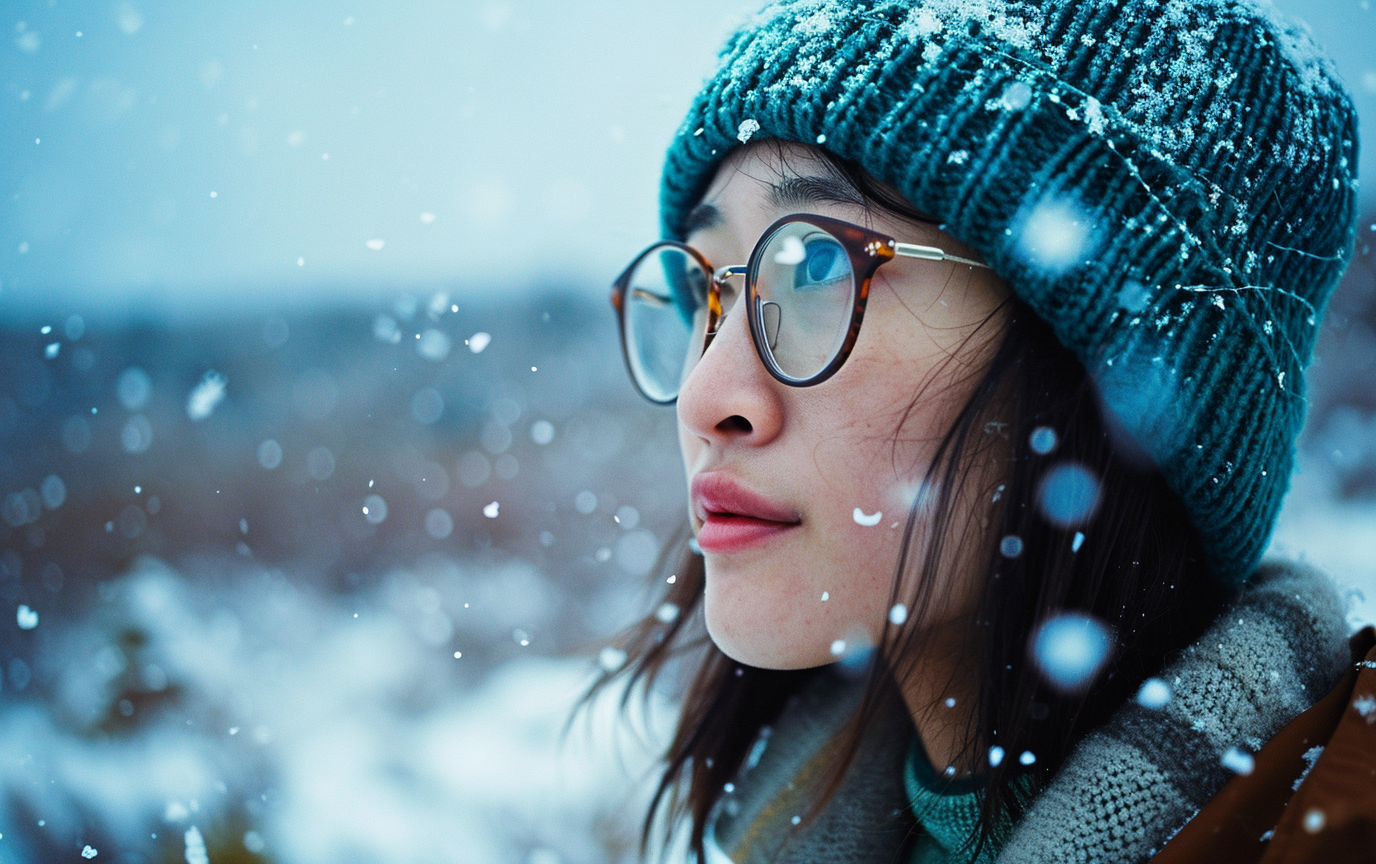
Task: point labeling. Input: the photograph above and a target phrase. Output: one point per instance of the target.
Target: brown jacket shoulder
(1271, 816)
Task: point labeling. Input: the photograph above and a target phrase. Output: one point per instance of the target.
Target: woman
(980, 577)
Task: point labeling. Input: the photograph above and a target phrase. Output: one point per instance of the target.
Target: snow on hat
(1171, 184)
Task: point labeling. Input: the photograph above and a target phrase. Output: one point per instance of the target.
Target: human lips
(735, 518)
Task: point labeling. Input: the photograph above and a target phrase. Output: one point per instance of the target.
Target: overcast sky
(184, 153)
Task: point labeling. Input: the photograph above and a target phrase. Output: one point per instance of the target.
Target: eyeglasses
(805, 289)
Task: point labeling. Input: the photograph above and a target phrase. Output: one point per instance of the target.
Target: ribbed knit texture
(947, 810)
(1133, 783)
(1170, 183)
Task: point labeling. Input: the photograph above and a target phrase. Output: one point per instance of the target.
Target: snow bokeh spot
(433, 345)
(1010, 546)
(1043, 440)
(611, 659)
(1068, 495)
(1154, 693)
(375, 509)
(1054, 235)
(1070, 649)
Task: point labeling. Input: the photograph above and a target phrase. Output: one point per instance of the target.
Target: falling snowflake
(195, 847)
(1310, 756)
(205, 396)
(868, 520)
(1364, 705)
(611, 659)
(1238, 761)
(1017, 96)
(1094, 116)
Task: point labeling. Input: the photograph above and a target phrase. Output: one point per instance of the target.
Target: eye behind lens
(804, 285)
(823, 262)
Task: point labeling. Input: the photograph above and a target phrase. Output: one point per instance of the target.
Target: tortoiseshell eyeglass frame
(868, 250)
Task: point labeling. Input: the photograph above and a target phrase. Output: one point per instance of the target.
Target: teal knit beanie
(1171, 184)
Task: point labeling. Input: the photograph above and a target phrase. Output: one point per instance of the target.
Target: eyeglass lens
(665, 319)
(804, 292)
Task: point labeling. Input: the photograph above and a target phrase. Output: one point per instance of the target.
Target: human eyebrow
(804, 192)
(700, 217)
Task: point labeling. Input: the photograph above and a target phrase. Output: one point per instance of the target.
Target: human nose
(729, 396)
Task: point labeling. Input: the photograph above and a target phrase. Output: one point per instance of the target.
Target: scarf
(1125, 790)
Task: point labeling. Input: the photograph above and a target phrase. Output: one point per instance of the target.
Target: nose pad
(769, 314)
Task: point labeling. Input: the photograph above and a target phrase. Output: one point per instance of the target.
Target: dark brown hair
(1136, 565)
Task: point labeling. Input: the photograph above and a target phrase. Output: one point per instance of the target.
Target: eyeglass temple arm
(932, 253)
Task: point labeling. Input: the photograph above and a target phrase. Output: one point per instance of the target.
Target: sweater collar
(1132, 783)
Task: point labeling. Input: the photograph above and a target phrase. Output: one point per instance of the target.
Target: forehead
(763, 181)
(766, 180)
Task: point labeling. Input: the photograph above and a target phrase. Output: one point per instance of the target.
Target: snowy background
(245, 258)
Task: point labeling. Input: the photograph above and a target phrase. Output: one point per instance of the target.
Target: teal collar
(947, 807)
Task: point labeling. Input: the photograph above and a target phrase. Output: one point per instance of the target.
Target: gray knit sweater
(1124, 791)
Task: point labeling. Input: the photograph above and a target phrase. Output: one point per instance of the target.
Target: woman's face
(786, 481)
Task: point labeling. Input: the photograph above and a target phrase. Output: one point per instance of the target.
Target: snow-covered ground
(311, 728)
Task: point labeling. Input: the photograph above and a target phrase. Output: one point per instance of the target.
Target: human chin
(757, 616)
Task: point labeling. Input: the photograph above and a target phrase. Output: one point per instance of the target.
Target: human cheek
(872, 445)
(861, 548)
(689, 447)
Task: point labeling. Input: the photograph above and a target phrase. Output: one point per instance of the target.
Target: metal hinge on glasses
(932, 253)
